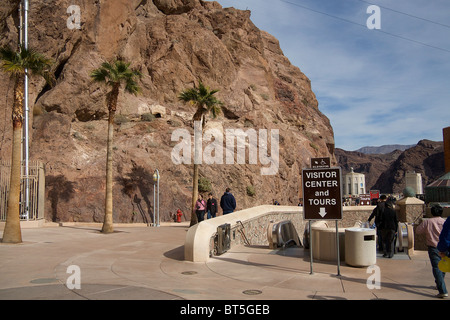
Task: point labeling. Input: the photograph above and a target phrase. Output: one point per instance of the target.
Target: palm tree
(19, 63)
(113, 75)
(203, 99)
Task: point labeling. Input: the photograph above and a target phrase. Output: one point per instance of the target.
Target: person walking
(388, 228)
(200, 207)
(227, 202)
(443, 246)
(444, 239)
(432, 228)
(211, 206)
(377, 212)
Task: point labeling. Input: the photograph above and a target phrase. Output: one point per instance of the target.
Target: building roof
(443, 181)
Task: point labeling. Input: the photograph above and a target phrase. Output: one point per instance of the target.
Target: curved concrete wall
(200, 237)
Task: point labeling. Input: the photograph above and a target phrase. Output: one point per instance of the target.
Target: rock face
(426, 158)
(386, 172)
(371, 165)
(174, 43)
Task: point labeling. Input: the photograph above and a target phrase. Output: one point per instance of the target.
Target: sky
(377, 86)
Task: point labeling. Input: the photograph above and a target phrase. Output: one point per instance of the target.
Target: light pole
(25, 158)
(156, 198)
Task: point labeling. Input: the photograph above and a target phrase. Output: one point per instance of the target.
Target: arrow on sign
(322, 212)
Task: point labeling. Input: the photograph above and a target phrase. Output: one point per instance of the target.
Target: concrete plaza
(140, 262)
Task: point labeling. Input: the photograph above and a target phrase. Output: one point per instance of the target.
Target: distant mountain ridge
(388, 148)
(386, 172)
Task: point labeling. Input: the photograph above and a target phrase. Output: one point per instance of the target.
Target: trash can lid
(355, 229)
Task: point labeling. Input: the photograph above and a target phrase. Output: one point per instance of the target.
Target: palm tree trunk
(194, 219)
(12, 232)
(108, 221)
(112, 105)
(198, 116)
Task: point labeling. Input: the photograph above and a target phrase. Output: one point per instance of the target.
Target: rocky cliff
(426, 158)
(371, 165)
(174, 43)
(386, 172)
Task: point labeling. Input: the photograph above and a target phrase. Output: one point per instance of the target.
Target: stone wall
(255, 229)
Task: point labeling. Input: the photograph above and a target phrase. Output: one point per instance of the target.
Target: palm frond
(8, 56)
(115, 72)
(99, 75)
(15, 62)
(215, 110)
(131, 86)
(202, 97)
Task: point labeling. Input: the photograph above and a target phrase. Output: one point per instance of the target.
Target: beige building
(354, 183)
(414, 180)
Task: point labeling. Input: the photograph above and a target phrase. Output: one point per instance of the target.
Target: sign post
(322, 197)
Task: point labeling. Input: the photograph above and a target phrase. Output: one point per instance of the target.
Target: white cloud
(388, 87)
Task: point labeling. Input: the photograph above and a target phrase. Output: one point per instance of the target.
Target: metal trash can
(360, 247)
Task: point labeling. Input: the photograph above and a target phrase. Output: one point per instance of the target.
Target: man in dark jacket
(211, 206)
(388, 227)
(227, 202)
(377, 212)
